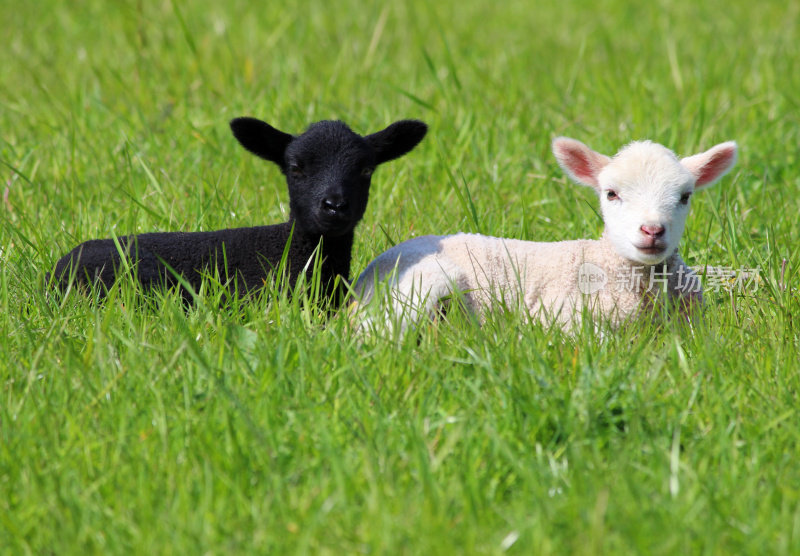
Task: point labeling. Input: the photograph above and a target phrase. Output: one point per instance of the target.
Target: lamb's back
(250, 251)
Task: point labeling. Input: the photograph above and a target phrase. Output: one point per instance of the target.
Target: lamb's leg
(418, 298)
(403, 299)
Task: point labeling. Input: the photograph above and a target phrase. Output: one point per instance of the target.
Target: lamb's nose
(653, 231)
(334, 204)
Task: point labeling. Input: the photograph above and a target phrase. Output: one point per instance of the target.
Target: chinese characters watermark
(592, 278)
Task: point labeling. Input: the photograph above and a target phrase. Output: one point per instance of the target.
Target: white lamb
(644, 193)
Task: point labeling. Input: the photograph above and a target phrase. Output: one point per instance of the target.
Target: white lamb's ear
(711, 165)
(581, 163)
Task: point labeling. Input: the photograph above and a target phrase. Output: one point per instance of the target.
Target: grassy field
(260, 428)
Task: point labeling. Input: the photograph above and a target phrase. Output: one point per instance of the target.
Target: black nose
(334, 205)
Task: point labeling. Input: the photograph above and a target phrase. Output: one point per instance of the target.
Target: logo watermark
(592, 278)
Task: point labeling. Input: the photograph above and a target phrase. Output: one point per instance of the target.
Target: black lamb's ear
(261, 139)
(397, 139)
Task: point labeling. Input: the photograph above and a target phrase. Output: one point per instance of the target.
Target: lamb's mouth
(652, 249)
(336, 227)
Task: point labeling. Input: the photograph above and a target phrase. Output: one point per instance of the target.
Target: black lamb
(328, 170)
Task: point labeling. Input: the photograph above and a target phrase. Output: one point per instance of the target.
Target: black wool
(328, 171)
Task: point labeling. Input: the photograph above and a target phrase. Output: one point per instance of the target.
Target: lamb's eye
(296, 170)
(685, 198)
(367, 172)
(611, 195)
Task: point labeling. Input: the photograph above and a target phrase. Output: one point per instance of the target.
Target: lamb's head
(644, 190)
(329, 167)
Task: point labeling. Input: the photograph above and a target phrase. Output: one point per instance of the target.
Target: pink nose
(653, 231)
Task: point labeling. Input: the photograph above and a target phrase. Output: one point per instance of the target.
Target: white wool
(644, 194)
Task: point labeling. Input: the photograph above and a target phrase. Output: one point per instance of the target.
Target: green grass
(260, 428)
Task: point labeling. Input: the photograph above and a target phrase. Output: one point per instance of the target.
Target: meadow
(262, 427)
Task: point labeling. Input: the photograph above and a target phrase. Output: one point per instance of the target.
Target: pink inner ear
(580, 164)
(717, 165)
